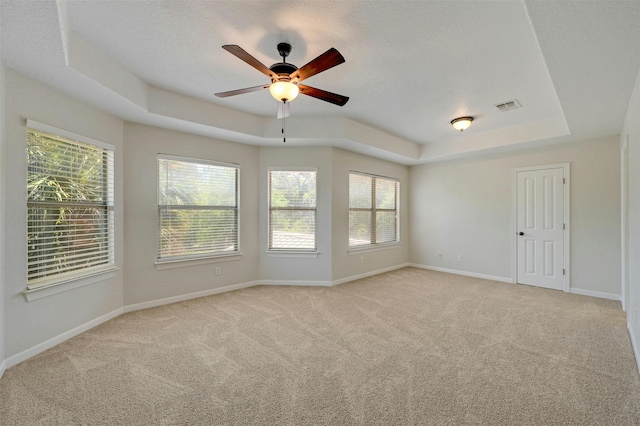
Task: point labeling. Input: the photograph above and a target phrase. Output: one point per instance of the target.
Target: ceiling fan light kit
(461, 123)
(284, 91)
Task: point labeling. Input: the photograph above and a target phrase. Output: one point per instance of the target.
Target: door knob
(521, 233)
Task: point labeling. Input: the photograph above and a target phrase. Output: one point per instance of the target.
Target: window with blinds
(69, 206)
(198, 208)
(373, 210)
(292, 210)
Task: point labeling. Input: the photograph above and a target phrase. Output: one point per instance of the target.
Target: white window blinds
(198, 209)
(373, 210)
(292, 210)
(69, 207)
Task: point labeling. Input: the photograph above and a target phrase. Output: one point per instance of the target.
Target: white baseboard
(592, 293)
(183, 297)
(41, 347)
(296, 283)
(634, 345)
(580, 291)
(368, 274)
(35, 350)
(465, 273)
(334, 282)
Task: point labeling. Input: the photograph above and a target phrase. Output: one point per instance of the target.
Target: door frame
(624, 218)
(566, 260)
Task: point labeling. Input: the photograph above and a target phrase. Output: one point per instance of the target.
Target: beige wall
(465, 207)
(458, 207)
(631, 132)
(32, 323)
(345, 263)
(291, 269)
(2, 220)
(144, 281)
(334, 261)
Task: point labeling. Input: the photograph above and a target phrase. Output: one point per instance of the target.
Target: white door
(540, 227)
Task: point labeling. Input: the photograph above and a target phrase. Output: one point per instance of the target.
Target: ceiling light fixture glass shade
(284, 91)
(461, 123)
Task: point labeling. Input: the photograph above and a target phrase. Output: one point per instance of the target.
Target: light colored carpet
(405, 347)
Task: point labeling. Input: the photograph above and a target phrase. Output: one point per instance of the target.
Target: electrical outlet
(439, 255)
(218, 270)
(459, 258)
(361, 259)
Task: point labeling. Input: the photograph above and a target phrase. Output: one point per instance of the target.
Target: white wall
(33, 326)
(32, 323)
(2, 221)
(460, 207)
(464, 208)
(334, 262)
(145, 282)
(631, 130)
(293, 270)
(347, 264)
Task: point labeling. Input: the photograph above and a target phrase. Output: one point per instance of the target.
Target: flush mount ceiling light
(461, 123)
(284, 91)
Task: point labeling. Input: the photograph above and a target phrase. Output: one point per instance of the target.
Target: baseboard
(48, 344)
(592, 293)
(183, 297)
(334, 282)
(368, 274)
(296, 283)
(41, 347)
(634, 345)
(465, 273)
(579, 291)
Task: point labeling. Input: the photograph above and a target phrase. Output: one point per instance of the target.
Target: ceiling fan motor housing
(283, 69)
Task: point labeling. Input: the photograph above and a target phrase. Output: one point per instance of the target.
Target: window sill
(377, 247)
(294, 254)
(70, 284)
(181, 263)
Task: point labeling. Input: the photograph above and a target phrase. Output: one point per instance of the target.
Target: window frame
(291, 250)
(68, 279)
(372, 245)
(192, 259)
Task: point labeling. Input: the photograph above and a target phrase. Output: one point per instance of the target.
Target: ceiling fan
(285, 77)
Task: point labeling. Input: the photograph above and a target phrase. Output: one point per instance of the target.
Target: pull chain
(284, 135)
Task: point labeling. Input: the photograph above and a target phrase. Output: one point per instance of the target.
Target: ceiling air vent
(509, 105)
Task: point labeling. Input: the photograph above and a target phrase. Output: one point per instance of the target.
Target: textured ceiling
(411, 67)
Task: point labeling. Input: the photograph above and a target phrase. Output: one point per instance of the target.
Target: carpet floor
(408, 347)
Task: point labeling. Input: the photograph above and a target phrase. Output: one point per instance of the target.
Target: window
(373, 210)
(69, 206)
(197, 208)
(292, 210)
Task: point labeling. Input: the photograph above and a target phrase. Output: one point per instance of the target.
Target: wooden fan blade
(328, 59)
(323, 95)
(242, 54)
(241, 91)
